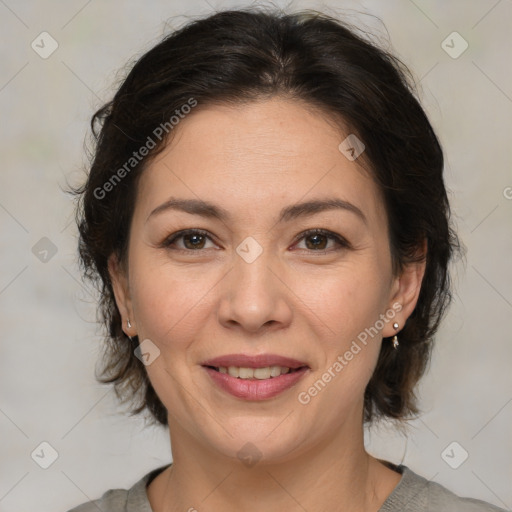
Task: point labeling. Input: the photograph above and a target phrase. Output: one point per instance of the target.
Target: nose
(254, 296)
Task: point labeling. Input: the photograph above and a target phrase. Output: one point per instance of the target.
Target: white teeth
(275, 371)
(262, 373)
(245, 373)
(233, 371)
(254, 373)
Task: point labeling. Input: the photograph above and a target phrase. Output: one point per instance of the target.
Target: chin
(264, 444)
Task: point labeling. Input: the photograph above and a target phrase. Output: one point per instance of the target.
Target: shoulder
(123, 500)
(113, 500)
(440, 498)
(421, 495)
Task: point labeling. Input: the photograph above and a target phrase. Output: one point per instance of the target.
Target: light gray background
(49, 341)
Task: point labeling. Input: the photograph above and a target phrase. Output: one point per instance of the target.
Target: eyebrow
(287, 214)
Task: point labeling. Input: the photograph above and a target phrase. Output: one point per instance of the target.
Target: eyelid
(168, 241)
(340, 240)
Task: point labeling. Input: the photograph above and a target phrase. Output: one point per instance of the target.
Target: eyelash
(342, 243)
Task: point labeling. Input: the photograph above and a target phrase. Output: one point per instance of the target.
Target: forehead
(253, 156)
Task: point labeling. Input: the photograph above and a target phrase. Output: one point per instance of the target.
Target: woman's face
(254, 284)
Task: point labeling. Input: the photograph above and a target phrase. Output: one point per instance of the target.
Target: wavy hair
(238, 56)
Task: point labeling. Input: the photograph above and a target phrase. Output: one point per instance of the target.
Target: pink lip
(255, 389)
(248, 361)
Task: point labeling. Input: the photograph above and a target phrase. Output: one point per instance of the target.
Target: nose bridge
(253, 265)
(253, 295)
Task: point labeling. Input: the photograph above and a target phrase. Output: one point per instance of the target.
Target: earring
(395, 338)
(129, 327)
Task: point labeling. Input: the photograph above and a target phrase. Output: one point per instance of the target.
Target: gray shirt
(412, 494)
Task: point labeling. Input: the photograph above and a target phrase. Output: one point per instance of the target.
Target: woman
(267, 219)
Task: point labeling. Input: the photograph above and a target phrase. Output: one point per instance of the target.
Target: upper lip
(253, 361)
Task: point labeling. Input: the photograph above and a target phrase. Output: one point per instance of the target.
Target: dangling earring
(395, 338)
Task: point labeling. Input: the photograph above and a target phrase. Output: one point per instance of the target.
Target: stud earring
(395, 338)
(129, 325)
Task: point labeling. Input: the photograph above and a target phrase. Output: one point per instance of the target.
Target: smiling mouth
(245, 373)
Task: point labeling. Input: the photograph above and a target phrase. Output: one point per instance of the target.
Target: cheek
(346, 300)
(346, 306)
(168, 302)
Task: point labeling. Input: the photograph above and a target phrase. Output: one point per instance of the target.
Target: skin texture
(294, 300)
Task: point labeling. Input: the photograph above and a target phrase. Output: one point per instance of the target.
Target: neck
(200, 478)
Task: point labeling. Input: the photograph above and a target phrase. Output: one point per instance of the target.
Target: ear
(119, 279)
(406, 290)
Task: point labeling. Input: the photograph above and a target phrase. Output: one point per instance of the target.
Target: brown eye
(317, 240)
(193, 239)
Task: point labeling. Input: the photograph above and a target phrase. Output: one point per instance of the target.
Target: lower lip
(255, 389)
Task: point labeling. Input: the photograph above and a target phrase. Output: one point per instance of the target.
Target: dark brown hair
(238, 56)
